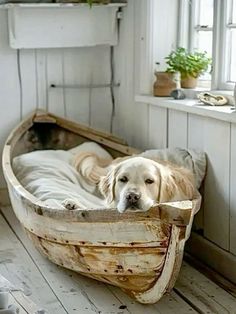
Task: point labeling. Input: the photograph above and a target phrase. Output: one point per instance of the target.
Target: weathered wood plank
(209, 272)
(18, 268)
(18, 298)
(169, 303)
(206, 296)
(13, 301)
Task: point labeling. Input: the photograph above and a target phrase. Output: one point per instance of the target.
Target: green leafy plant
(188, 64)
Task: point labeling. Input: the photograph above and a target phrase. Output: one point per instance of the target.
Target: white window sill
(224, 113)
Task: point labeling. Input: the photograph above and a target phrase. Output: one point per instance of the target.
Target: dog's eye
(123, 179)
(149, 181)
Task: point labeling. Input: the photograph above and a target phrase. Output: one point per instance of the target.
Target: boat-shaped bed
(140, 252)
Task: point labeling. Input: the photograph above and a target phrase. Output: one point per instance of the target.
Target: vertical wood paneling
(77, 70)
(216, 194)
(29, 83)
(41, 74)
(157, 137)
(177, 129)
(124, 69)
(55, 76)
(131, 118)
(165, 30)
(196, 141)
(196, 132)
(9, 87)
(101, 104)
(233, 190)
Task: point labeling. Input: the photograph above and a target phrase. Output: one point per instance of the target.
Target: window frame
(221, 22)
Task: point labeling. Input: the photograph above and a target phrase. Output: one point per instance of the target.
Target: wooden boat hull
(138, 252)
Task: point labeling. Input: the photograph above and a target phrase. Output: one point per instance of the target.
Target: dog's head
(137, 183)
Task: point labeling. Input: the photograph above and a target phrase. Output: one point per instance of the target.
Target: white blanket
(51, 178)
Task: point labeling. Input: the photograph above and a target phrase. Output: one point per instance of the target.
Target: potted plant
(190, 65)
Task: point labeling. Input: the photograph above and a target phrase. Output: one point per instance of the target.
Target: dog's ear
(107, 184)
(176, 184)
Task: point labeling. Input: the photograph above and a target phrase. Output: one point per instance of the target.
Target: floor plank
(83, 295)
(205, 295)
(19, 299)
(17, 266)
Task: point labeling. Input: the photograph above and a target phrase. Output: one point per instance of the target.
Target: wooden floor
(60, 291)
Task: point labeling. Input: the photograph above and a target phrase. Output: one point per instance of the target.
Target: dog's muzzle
(132, 198)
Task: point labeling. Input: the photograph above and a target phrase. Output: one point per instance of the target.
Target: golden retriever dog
(138, 183)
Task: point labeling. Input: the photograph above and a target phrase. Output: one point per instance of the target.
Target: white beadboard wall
(142, 125)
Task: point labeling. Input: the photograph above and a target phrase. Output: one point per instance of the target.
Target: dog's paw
(70, 204)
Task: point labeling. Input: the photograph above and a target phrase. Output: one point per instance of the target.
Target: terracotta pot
(166, 83)
(189, 82)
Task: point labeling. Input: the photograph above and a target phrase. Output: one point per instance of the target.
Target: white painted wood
(34, 27)
(223, 113)
(177, 129)
(77, 70)
(18, 268)
(10, 107)
(233, 191)
(55, 75)
(196, 141)
(28, 77)
(13, 301)
(216, 192)
(41, 78)
(143, 41)
(72, 289)
(212, 255)
(203, 293)
(124, 67)
(157, 136)
(196, 132)
(165, 30)
(101, 103)
(131, 118)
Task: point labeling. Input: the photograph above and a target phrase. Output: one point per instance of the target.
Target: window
(212, 28)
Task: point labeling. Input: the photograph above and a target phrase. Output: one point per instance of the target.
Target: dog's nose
(133, 197)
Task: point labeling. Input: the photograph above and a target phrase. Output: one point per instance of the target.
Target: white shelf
(224, 113)
(58, 5)
(57, 25)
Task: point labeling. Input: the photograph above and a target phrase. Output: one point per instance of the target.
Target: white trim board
(212, 255)
(224, 113)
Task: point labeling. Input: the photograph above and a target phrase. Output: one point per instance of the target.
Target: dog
(137, 183)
